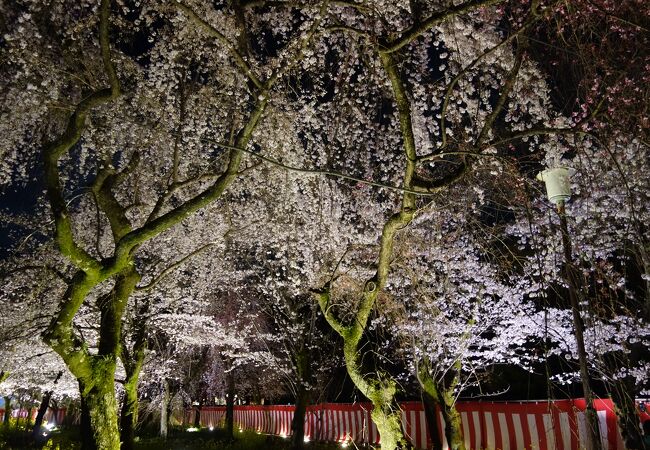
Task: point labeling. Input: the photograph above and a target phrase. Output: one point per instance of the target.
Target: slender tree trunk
(7, 416)
(164, 408)
(230, 405)
(302, 361)
(45, 403)
(197, 416)
(40, 415)
(622, 392)
(593, 434)
(442, 395)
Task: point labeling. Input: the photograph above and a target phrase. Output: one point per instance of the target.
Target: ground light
(192, 429)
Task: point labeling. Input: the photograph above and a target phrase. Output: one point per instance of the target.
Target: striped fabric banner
(555, 425)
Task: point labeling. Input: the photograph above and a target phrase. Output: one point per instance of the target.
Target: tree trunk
(129, 416)
(298, 421)
(42, 409)
(197, 416)
(431, 414)
(132, 362)
(628, 419)
(101, 409)
(45, 403)
(164, 408)
(441, 393)
(302, 362)
(230, 405)
(7, 416)
(389, 423)
(453, 426)
(87, 438)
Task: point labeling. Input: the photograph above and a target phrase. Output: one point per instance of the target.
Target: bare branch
(241, 62)
(171, 268)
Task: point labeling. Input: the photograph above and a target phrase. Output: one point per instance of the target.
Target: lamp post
(558, 190)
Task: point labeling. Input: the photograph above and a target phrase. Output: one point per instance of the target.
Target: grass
(14, 438)
(217, 440)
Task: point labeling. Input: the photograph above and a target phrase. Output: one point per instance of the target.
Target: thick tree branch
(171, 218)
(107, 179)
(53, 152)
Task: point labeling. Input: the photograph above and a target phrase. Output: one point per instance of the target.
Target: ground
(15, 439)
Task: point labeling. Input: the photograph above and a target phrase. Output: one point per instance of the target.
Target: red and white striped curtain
(555, 425)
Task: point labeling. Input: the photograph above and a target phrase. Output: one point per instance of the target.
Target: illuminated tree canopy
(246, 196)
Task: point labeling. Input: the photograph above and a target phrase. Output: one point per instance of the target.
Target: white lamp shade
(558, 186)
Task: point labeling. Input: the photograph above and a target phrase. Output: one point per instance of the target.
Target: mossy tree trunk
(132, 360)
(443, 394)
(431, 414)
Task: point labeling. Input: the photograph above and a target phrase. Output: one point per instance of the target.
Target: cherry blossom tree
(607, 243)
(130, 140)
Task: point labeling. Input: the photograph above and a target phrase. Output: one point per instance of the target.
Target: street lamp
(558, 190)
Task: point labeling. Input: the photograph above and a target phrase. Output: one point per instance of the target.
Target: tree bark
(7, 415)
(164, 409)
(40, 415)
(45, 403)
(453, 426)
(133, 361)
(197, 416)
(628, 419)
(441, 394)
(230, 405)
(129, 416)
(431, 414)
(302, 361)
(298, 421)
(87, 438)
(101, 407)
